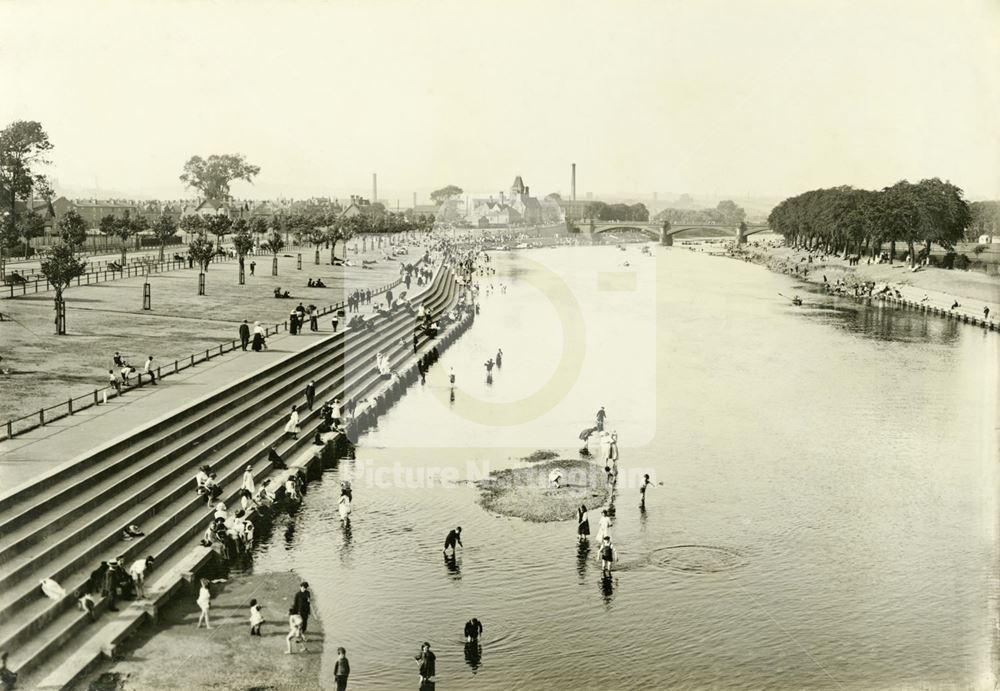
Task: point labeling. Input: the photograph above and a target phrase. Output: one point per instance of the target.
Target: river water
(824, 515)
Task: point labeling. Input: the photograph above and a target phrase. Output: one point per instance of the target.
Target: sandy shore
(527, 493)
(174, 654)
(973, 290)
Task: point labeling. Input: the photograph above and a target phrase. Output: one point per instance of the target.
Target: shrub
(961, 262)
(979, 249)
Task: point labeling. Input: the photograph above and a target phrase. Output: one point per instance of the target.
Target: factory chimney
(573, 184)
(374, 187)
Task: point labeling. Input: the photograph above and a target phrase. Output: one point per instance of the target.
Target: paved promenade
(30, 455)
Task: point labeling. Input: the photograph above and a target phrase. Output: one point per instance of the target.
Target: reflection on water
(822, 515)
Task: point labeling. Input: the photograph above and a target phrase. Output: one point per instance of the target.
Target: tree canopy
(847, 219)
(213, 176)
(72, 229)
(446, 192)
(23, 149)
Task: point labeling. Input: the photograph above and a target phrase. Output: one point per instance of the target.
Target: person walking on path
(256, 618)
(295, 632)
(608, 555)
(313, 318)
(292, 426)
(113, 381)
(600, 418)
(499, 358)
(341, 669)
(253, 266)
(426, 664)
(310, 393)
(259, 339)
(454, 537)
(293, 322)
(582, 523)
(204, 603)
(335, 321)
(986, 313)
(303, 604)
(150, 370)
(244, 334)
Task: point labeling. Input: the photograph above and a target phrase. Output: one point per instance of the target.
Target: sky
(710, 97)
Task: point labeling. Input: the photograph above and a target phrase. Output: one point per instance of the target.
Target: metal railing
(41, 285)
(49, 414)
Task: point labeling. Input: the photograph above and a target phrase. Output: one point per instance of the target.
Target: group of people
(120, 376)
(318, 283)
(357, 298)
(258, 335)
(297, 318)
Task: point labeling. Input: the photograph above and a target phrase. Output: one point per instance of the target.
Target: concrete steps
(153, 486)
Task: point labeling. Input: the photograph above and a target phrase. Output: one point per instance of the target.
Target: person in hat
(248, 481)
(138, 573)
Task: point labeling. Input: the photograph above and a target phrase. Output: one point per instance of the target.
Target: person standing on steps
(310, 393)
(295, 632)
(303, 604)
(244, 335)
(600, 418)
(292, 426)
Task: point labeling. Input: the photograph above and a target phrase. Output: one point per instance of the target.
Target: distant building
(576, 210)
(519, 208)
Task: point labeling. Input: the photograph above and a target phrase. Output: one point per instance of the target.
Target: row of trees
(727, 212)
(601, 211)
(854, 221)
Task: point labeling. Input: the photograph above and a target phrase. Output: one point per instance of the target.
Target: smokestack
(573, 184)
(374, 187)
(414, 200)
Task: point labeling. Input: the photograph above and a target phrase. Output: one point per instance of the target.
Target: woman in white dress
(292, 426)
(344, 505)
(604, 527)
(204, 602)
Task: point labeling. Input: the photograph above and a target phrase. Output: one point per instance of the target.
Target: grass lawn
(43, 369)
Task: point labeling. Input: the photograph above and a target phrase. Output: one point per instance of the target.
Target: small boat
(796, 301)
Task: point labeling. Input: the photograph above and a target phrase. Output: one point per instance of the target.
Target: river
(824, 515)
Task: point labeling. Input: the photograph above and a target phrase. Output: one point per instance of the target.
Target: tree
(731, 213)
(201, 251)
(23, 148)
(60, 265)
(257, 227)
(164, 229)
(274, 244)
(213, 176)
(18, 238)
(446, 192)
(242, 243)
(984, 219)
(124, 229)
(72, 229)
(218, 225)
(192, 223)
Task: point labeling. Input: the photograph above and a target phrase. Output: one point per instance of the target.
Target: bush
(961, 262)
(979, 249)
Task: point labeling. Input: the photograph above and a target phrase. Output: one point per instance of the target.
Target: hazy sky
(763, 97)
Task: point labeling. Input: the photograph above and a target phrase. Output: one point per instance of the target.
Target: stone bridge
(655, 231)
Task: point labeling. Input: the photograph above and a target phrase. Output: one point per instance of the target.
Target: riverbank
(176, 654)
(937, 288)
(529, 493)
